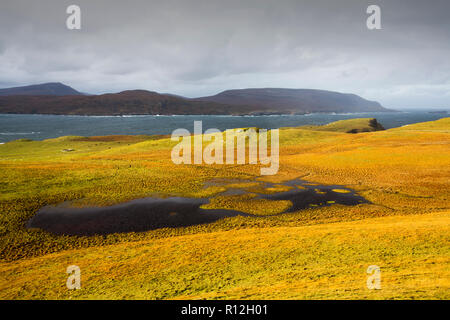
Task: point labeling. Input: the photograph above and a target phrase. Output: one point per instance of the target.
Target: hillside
(317, 253)
(350, 126)
(133, 102)
(56, 98)
(275, 100)
(51, 88)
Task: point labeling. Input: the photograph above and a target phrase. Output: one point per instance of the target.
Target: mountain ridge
(49, 88)
(292, 100)
(254, 101)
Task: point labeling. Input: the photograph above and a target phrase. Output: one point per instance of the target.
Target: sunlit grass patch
(341, 190)
(242, 185)
(248, 204)
(272, 189)
(441, 125)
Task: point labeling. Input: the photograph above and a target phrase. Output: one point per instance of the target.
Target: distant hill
(57, 98)
(51, 88)
(276, 100)
(132, 102)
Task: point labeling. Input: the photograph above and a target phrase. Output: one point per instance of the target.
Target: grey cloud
(199, 47)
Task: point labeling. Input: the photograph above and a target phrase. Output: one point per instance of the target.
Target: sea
(41, 127)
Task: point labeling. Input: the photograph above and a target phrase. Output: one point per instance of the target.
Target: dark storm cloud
(200, 47)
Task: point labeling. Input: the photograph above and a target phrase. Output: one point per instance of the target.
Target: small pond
(155, 213)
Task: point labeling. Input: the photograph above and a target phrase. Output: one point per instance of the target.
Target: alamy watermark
(229, 147)
(374, 279)
(74, 280)
(374, 20)
(73, 21)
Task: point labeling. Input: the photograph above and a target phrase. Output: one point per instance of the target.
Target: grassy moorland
(321, 252)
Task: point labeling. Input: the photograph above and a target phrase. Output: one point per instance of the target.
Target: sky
(197, 48)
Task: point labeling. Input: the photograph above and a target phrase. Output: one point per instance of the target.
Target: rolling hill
(322, 252)
(132, 102)
(275, 100)
(51, 88)
(56, 98)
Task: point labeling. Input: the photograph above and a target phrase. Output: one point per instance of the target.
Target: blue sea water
(40, 127)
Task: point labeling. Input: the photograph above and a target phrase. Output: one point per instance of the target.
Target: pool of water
(154, 213)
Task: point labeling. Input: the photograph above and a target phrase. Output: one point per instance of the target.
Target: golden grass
(341, 190)
(326, 261)
(246, 203)
(349, 126)
(270, 190)
(402, 172)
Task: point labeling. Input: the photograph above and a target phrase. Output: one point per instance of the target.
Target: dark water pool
(134, 216)
(155, 213)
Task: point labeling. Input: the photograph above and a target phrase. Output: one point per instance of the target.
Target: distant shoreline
(204, 115)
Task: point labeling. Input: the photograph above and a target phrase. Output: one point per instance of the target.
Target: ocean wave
(17, 133)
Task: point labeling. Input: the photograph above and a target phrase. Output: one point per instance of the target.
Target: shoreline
(203, 115)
